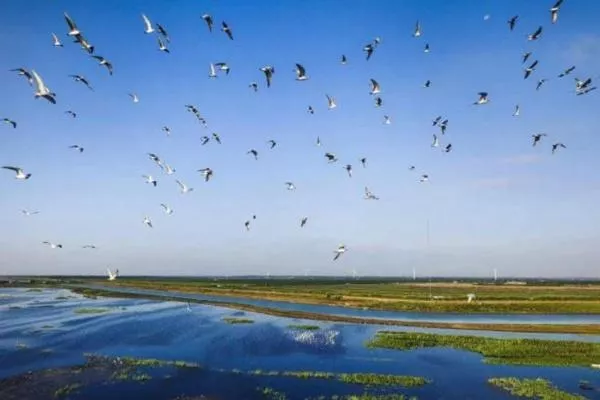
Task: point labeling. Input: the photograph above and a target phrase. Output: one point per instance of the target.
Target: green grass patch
(91, 310)
(272, 394)
(304, 327)
(66, 390)
(497, 351)
(34, 290)
(233, 320)
(533, 389)
(383, 380)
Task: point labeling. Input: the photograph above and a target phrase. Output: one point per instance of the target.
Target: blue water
(45, 332)
(395, 315)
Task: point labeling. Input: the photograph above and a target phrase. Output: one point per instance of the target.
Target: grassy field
(397, 296)
(497, 351)
(539, 328)
(533, 389)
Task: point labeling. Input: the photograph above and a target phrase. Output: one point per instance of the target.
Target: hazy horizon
(494, 201)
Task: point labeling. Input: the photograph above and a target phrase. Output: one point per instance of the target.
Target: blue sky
(493, 202)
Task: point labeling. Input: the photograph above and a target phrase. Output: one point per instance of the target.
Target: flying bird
(19, 173)
(554, 11)
(247, 225)
(300, 73)
(339, 251)
(436, 120)
(104, 62)
(29, 213)
(41, 89)
(387, 120)
(443, 126)
(290, 186)
(369, 49)
(369, 195)
(375, 88)
(9, 122)
(417, 31)
(134, 97)
(424, 178)
(331, 157)
(77, 147)
(162, 46)
(517, 111)
(113, 275)
(254, 86)
(71, 113)
(348, 169)
(427, 83)
(435, 142)
(512, 22)
(426, 49)
(204, 140)
(582, 85)
(84, 43)
(272, 143)
(79, 78)
(73, 31)
(526, 57)
(378, 101)
(318, 142)
(206, 173)
(448, 148)
(555, 147)
(147, 25)
(53, 245)
(88, 246)
(363, 161)
(155, 158)
(224, 67)
(166, 130)
(148, 222)
(168, 210)
(330, 102)
(535, 35)
(212, 73)
(540, 83)
(530, 69)
(268, 71)
(567, 71)
(225, 28)
(310, 110)
(150, 179)
(184, 188)
(537, 137)
(216, 137)
(483, 98)
(303, 222)
(163, 32)
(57, 42)
(209, 21)
(344, 60)
(411, 168)
(254, 153)
(168, 169)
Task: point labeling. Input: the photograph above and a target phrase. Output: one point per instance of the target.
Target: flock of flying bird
(582, 87)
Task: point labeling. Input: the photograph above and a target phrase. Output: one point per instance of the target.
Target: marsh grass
(34, 290)
(91, 310)
(533, 389)
(66, 390)
(233, 320)
(304, 327)
(365, 379)
(497, 351)
(271, 394)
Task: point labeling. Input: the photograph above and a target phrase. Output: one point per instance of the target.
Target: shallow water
(46, 332)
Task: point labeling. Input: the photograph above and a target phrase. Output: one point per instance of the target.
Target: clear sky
(494, 201)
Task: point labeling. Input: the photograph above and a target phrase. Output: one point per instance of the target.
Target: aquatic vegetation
(387, 380)
(66, 390)
(47, 327)
(533, 389)
(542, 328)
(141, 377)
(61, 298)
(34, 290)
(304, 327)
(497, 351)
(366, 396)
(91, 310)
(232, 320)
(272, 394)
(21, 346)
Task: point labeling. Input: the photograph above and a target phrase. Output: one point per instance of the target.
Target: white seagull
(436, 142)
(9, 122)
(150, 179)
(168, 169)
(206, 173)
(375, 88)
(222, 66)
(330, 102)
(290, 186)
(79, 78)
(424, 178)
(148, 222)
(168, 210)
(209, 21)
(184, 188)
(73, 31)
(535, 35)
(369, 195)
(417, 32)
(517, 111)
(57, 42)
(483, 98)
(387, 120)
(212, 73)
(20, 174)
(268, 71)
(166, 130)
(340, 250)
(29, 213)
(77, 147)
(554, 11)
(134, 97)
(112, 275)
(52, 245)
(41, 90)
(147, 25)
(103, 61)
(162, 46)
(300, 73)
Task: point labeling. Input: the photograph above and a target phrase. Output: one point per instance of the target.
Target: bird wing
(301, 70)
(39, 83)
(147, 23)
(13, 169)
(70, 22)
